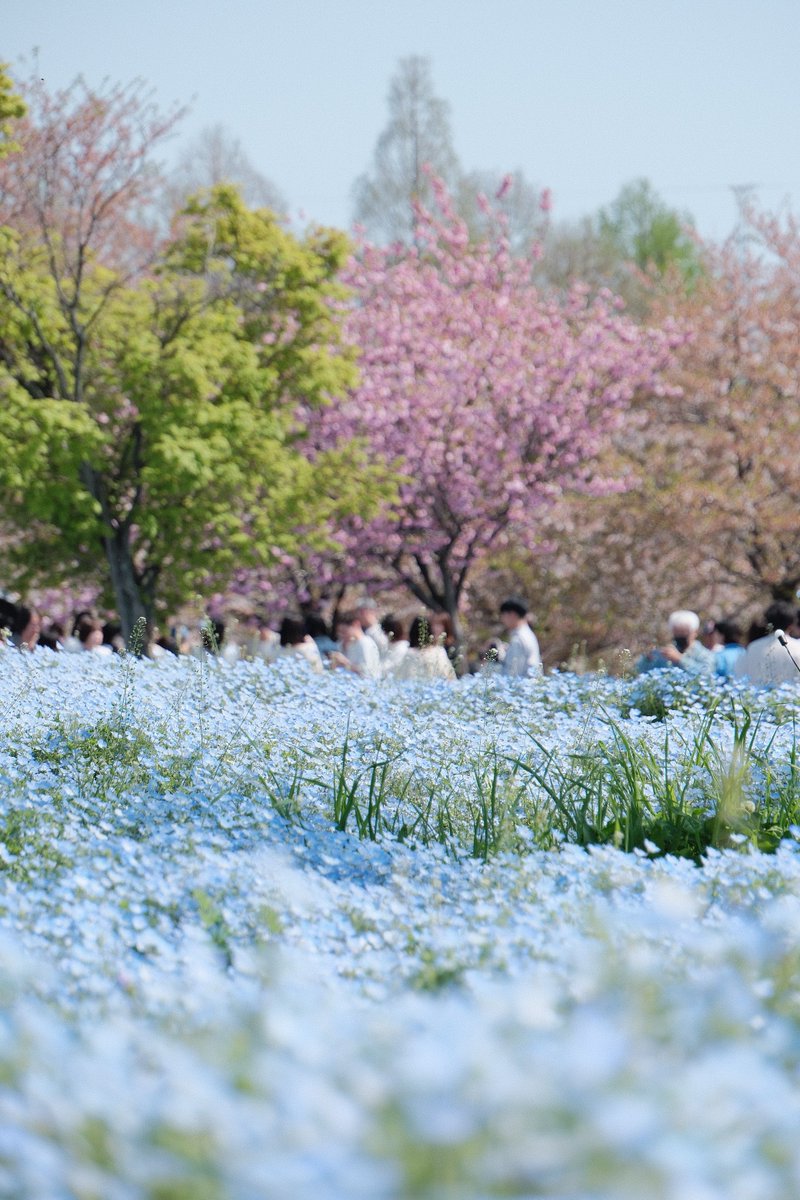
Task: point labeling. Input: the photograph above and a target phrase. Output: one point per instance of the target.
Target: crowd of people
(768, 655)
(358, 641)
(362, 642)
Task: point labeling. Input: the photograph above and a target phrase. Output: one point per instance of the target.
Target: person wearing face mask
(684, 648)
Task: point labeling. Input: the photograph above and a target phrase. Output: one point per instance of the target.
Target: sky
(584, 96)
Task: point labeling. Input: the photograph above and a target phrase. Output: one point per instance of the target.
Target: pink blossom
(492, 399)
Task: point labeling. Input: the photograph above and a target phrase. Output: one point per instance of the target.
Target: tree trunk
(451, 602)
(440, 593)
(337, 606)
(127, 593)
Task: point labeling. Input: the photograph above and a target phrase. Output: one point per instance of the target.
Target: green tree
(153, 399)
(634, 246)
(12, 107)
(640, 228)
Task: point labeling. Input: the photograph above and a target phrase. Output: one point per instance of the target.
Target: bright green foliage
(12, 107)
(640, 228)
(158, 420)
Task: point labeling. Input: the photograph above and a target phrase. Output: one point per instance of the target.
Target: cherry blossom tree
(713, 521)
(491, 398)
(734, 439)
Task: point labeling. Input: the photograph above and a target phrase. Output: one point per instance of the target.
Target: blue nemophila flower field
(265, 934)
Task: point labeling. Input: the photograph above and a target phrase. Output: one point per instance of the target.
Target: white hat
(684, 618)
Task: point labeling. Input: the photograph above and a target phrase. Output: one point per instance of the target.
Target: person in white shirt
(775, 658)
(522, 654)
(426, 659)
(359, 653)
(263, 643)
(367, 613)
(90, 636)
(398, 644)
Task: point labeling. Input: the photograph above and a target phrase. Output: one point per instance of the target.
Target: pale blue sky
(583, 95)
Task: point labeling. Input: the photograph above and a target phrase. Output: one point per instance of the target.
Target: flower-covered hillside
(271, 936)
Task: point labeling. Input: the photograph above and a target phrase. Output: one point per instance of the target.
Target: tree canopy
(637, 246)
(12, 107)
(151, 389)
(492, 397)
(640, 228)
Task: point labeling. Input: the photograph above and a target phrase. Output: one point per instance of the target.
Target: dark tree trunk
(131, 605)
(440, 590)
(337, 606)
(134, 603)
(451, 597)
